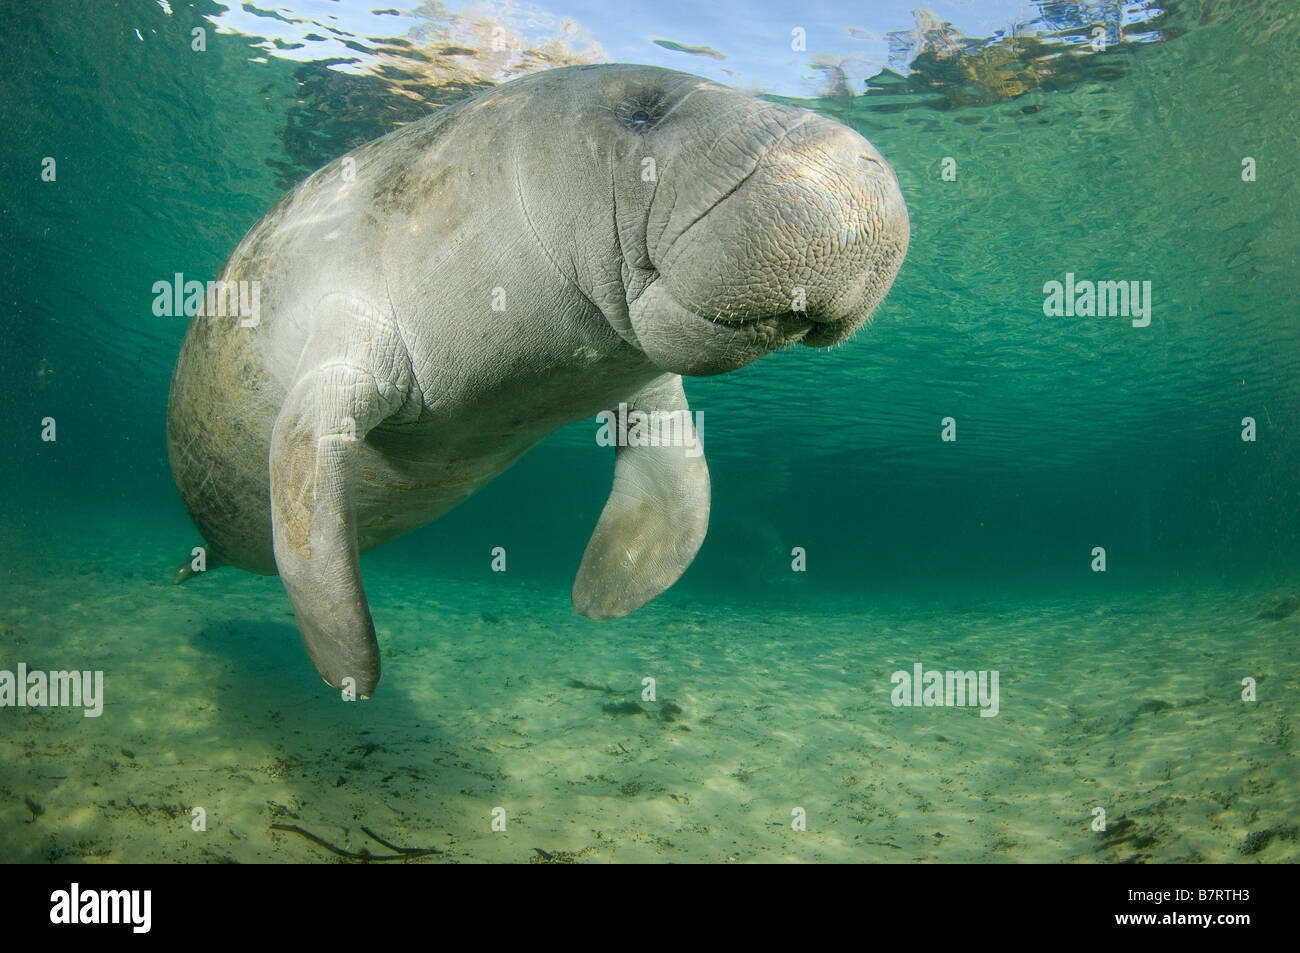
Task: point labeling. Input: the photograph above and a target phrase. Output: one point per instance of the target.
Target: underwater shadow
(314, 757)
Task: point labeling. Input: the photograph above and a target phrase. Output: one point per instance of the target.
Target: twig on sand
(364, 855)
(401, 850)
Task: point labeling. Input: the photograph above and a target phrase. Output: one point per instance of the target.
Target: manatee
(412, 318)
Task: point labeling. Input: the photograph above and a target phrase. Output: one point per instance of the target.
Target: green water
(1120, 688)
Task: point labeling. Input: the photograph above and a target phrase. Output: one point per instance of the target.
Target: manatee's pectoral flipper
(657, 512)
(338, 395)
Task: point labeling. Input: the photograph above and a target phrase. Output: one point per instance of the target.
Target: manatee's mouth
(772, 331)
(781, 329)
(826, 333)
(713, 340)
(787, 328)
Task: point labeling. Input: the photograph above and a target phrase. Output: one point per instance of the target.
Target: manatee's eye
(639, 118)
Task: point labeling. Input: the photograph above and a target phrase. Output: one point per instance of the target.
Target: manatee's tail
(200, 560)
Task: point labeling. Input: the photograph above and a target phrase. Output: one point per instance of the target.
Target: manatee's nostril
(870, 159)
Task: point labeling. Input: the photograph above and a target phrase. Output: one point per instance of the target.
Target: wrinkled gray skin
(381, 388)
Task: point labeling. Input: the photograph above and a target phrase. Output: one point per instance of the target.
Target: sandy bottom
(496, 696)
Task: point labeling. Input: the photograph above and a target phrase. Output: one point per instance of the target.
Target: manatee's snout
(801, 245)
(816, 231)
(859, 228)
